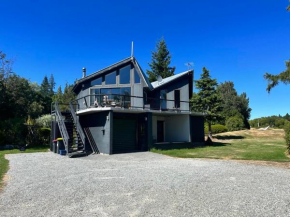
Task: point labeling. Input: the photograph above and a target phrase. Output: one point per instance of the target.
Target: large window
(97, 81)
(110, 78)
(111, 97)
(136, 77)
(95, 98)
(125, 75)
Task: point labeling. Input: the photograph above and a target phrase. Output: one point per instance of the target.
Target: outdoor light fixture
(107, 117)
(145, 118)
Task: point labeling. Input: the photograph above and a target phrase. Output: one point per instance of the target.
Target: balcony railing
(130, 102)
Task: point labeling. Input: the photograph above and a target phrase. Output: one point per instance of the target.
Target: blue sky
(236, 40)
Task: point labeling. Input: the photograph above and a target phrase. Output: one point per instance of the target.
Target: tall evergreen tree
(51, 85)
(207, 99)
(161, 60)
(45, 87)
(46, 95)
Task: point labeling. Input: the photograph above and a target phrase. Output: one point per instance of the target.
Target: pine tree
(46, 96)
(207, 99)
(45, 87)
(161, 60)
(51, 85)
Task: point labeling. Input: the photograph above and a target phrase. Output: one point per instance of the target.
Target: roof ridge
(103, 69)
(157, 84)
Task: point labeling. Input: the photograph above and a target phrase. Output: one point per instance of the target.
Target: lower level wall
(197, 128)
(100, 126)
(176, 128)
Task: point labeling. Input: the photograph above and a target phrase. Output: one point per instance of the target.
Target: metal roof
(157, 84)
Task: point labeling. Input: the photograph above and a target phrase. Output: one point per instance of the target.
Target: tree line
(275, 121)
(23, 102)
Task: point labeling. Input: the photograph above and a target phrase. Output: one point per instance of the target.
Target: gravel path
(141, 184)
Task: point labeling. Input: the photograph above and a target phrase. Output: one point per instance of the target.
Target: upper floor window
(125, 75)
(97, 81)
(163, 99)
(177, 98)
(136, 77)
(110, 78)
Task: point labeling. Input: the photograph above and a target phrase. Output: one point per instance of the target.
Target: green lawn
(4, 163)
(240, 145)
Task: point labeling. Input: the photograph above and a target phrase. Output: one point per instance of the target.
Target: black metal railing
(130, 102)
(77, 124)
(62, 127)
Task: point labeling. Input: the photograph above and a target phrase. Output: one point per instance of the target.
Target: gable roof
(167, 80)
(143, 74)
(113, 66)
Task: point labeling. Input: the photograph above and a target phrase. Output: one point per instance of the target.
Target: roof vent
(84, 72)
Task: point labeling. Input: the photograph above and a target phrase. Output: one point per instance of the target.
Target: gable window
(110, 78)
(136, 77)
(177, 98)
(97, 81)
(125, 75)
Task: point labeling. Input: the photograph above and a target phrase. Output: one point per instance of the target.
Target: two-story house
(121, 111)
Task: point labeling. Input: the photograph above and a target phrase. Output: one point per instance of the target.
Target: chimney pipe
(84, 72)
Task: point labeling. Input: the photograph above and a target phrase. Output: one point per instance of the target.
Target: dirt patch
(273, 133)
(3, 183)
(6, 178)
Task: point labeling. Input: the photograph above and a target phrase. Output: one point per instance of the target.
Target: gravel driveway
(141, 184)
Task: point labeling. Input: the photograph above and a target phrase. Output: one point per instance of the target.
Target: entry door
(160, 131)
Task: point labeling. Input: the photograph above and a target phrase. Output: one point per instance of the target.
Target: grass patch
(4, 163)
(240, 145)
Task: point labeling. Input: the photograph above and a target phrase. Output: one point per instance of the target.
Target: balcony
(132, 104)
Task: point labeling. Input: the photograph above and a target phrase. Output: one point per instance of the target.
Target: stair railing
(91, 140)
(62, 127)
(77, 124)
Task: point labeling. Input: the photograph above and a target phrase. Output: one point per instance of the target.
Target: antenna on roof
(189, 65)
(159, 79)
(132, 49)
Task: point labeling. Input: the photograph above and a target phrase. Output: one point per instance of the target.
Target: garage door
(124, 135)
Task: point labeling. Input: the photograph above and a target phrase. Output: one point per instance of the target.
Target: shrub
(235, 123)
(38, 136)
(12, 132)
(287, 135)
(44, 121)
(217, 128)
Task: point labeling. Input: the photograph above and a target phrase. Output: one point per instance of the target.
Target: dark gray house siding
(100, 127)
(183, 84)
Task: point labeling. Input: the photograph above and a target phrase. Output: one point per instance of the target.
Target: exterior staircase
(74, 137)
